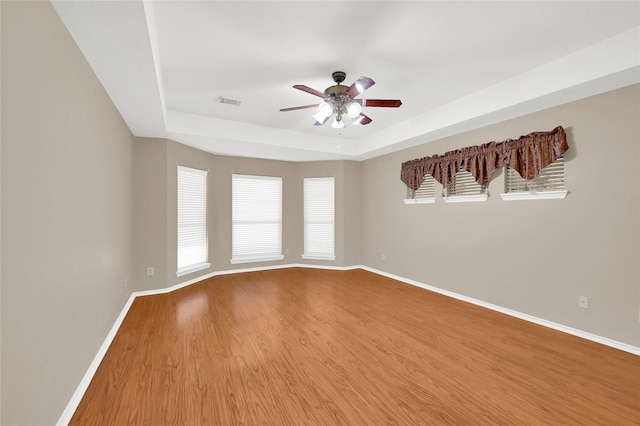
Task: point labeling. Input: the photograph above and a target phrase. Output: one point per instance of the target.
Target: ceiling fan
(339, 101)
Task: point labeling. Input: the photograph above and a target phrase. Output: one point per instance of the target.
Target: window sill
(256, 259)
(419, 200)
(465, 198)
(318, 257)
(191, 269)
(532, 195)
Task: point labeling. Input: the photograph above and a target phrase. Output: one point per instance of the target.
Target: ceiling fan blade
(309, 90)
(364, 120)
(299, 107)
(317, 123)
(359, 86)
(384, 103)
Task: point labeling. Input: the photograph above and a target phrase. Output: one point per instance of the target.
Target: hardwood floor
(315, 347)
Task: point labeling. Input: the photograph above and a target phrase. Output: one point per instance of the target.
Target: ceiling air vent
(229, 101)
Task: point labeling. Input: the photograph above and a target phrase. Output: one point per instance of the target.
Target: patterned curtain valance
(528, 155)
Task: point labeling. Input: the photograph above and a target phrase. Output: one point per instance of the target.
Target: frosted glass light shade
(354, 109)
(325, 109)
(337, 124)
(319, 117)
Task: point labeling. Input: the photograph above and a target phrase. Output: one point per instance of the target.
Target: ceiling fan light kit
(325, 109)
(354, 109)
(337, 124)
(338, 101)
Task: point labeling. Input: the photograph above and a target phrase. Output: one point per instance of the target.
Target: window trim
(551, 178)
(469, 179)
(251, 259)
(264, 257)
(535, 195)
(428, 186)
(318, 256)
(420, 200)
(194, 267)
(470, 198)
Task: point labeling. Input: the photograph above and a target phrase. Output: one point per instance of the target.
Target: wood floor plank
(314, 347)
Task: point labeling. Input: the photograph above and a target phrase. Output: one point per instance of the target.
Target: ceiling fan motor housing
(338, 89)
(339, 76)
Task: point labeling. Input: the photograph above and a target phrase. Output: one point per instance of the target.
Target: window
(319, 213)
(256, 218)
(548, 184)
(464, 188)
(423, 195)
(192, 220)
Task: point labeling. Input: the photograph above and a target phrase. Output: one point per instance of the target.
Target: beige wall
(85, 207)
(535, 257)
(352, 213)
(181, 155)
(347, 207)
(150, 213)
(155, 209)
(66, 214)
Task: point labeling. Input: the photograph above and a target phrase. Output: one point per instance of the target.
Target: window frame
(425, 194)
(469, 180)
(556, 191)
(236, 257)
(184, 171)
(318, 255)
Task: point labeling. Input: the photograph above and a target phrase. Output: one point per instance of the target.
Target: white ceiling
(455, 66)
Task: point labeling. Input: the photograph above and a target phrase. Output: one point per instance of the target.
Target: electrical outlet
(383, 257)
(583, 302)
(286, 252)
(150, 270)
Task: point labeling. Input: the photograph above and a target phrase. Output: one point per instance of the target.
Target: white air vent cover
(229, 101)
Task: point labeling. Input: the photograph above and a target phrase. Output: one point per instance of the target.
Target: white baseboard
(239, 271)
(67, 414)
(550, 324)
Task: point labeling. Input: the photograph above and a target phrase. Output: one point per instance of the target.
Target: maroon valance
(528, 155)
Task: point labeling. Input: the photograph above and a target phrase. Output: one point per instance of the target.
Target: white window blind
(548, 184)
(192, 220)
(423, 195)
(464, 188)
(319, 218)
(256, 218)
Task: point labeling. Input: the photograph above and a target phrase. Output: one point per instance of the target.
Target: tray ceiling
(455, 66)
